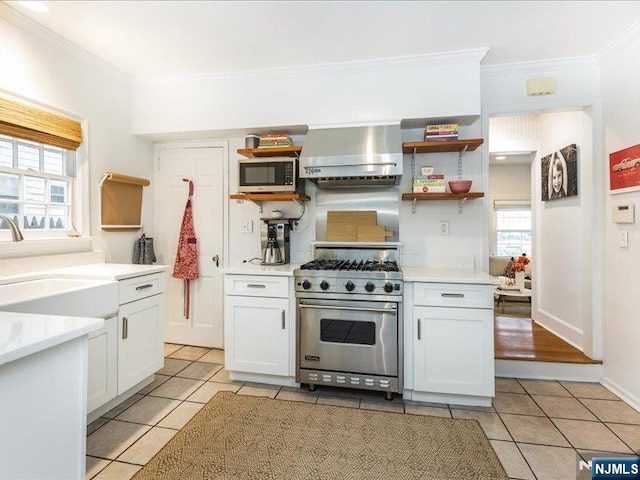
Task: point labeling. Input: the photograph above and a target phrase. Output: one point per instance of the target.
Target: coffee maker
(274, 240)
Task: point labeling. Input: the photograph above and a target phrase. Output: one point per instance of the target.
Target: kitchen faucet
(16, 234)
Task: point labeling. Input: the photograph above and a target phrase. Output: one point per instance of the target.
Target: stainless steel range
(349, 317)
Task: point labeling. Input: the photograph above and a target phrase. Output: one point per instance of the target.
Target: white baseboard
(624, 394)
(549, 370)
(444, 398)
(262, 378)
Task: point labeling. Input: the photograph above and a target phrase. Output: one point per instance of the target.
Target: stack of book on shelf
(429, 183)
(275, 140)
(447, 131)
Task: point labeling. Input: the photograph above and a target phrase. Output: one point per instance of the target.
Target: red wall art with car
(624, 168)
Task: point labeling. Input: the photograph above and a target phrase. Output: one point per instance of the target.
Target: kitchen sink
(61, 296)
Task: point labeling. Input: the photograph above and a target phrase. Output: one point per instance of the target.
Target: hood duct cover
(352, 156)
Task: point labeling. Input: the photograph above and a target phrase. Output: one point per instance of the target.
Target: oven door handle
(350, 309)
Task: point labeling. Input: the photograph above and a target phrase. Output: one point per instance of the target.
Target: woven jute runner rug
(243, 437)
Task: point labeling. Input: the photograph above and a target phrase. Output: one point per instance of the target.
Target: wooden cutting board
(342, 232)
(342, 224)
(372, 233)
(352, 217)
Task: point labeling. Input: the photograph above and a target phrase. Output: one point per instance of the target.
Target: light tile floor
(536, 427)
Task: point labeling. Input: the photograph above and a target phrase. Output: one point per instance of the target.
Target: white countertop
(447, 275)
(95, 271)
(108, 271)
(23, 334)
(257, 269)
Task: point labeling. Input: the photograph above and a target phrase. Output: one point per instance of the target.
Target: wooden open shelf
(258, 198)
(270, 197)
(292, 151)
(442, 146)
(441, 196)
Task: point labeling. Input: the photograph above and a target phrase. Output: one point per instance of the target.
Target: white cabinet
(140, 329)
(257, 339)
(453, 354)
(103, 364)
(259, 326)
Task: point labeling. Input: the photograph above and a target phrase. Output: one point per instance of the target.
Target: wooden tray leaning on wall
(121, 202)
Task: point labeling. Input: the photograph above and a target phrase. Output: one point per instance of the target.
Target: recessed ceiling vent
(541, 86)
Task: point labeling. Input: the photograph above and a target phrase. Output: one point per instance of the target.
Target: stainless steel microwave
(272, 174)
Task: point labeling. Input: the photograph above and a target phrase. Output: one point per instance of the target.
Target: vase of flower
(519, 267)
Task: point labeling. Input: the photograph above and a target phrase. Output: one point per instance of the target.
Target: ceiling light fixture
(501, 157)
(35, 6)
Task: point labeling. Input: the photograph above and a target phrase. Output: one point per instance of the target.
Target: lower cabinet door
(103, 365)
(257, 335)
(140, 340)
(453, 350)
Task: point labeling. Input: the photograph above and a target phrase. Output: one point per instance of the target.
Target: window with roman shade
(512, 227)
(37, 168)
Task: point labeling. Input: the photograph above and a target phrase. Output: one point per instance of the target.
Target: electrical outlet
(624, 239)
(444, 228)
(247, 227)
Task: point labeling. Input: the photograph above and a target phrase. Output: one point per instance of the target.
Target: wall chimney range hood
(369, 155)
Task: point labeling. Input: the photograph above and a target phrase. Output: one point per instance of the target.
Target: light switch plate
(624, 239)
(444, 227)
(247, 227)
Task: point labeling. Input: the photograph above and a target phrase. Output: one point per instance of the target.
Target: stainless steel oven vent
(368, 155)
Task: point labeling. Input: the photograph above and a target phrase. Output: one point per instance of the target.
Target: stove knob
(324, 285)
(306, 284)
(369, 287)
(349, 286)
(388, 287)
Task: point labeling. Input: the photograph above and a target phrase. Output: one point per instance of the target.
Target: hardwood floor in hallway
(519, 338)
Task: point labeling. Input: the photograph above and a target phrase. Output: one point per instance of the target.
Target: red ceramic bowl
(460, 186)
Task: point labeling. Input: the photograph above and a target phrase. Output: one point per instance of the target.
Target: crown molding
(371, 65)
(627, 37)
(28, 25)
(538, 67)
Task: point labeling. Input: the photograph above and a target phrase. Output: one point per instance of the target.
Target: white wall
(620, 77)
(41, 67)
(510, 182)
(420, 231)
(438, 85)
(563, 233)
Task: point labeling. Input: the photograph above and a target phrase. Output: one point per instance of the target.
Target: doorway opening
(536, 324)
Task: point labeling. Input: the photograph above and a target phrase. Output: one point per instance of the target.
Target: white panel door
(205, 166)
(257, 335)
(453, 350)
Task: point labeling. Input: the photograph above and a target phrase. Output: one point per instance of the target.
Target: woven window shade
(29, 123)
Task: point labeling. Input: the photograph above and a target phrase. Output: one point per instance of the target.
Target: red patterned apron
(186, 265)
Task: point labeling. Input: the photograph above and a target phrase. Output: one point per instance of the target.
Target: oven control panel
(346, 286)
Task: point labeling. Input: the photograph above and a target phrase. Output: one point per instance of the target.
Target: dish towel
(186, 264)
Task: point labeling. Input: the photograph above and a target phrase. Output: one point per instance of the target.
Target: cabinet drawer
(453, 295)
(256, 286)
(136, 288)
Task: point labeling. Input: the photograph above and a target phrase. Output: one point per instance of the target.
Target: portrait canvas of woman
(559, 174)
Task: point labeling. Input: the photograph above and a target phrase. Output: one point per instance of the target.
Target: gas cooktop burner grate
(352, 265)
